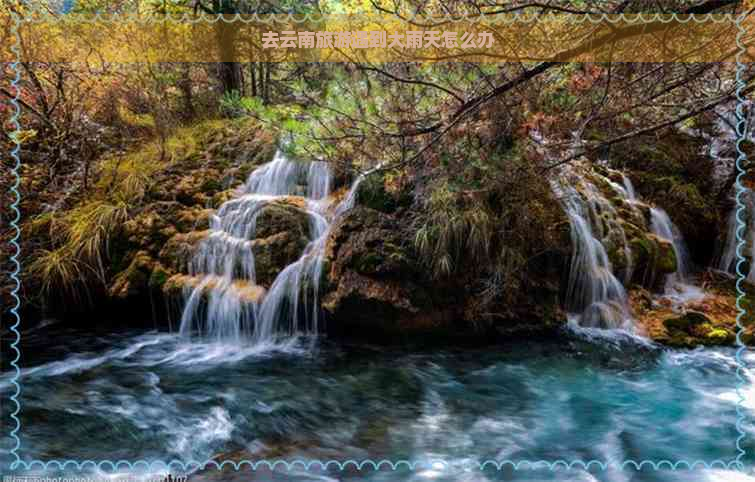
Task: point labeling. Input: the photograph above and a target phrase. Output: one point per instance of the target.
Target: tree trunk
(230, 77)
(268, 68)
(253, 81)
(186, 89)
(229, 70)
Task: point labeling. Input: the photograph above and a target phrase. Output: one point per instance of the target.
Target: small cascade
(225, 302)
(678, 286)
(661, 226)
(594, 294)
(728, 260)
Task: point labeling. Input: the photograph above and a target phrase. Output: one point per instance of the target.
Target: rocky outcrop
(246, 291)
(377, 287)
(652, 258)
(374, 282)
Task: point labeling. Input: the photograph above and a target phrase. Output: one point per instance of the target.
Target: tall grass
(76, 240)
(455, 231)
(80, 238)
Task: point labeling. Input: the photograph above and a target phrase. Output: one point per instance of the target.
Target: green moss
(643, 252)
(666, 261)
(211, 185)
(616, 256)
(687, 322)
(372, 194)
(158, 278)
(718, 336)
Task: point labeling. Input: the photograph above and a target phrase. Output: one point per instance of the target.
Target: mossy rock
(687, 322)
(274, 253)
(368, 263)
(134, 280)
(179, 250)
(193, 219)
(719, 336)
(282, 216)
(211, 186)
(666, 262)
(652, 259)
(694, 329)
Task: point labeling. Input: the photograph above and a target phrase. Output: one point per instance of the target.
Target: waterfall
(594, 295)
(728, 260)
(661, 226)
(224, 301)
(625, 190)
(678, 286)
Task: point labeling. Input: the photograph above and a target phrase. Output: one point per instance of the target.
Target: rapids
(157, 396)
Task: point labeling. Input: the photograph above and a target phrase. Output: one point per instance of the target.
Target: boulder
(282, 233)
(372, 280)
(282, 216)
(273, 253)
(652, 258)
(179, 250)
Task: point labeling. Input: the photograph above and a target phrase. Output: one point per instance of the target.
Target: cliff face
(385, 275)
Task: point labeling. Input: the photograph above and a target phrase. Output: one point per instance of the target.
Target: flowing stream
(145, 395)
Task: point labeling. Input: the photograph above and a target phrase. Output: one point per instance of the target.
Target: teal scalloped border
(741, 227)
(393, 465)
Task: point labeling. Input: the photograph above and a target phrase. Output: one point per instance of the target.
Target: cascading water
(225, 302)
(594, 295)
(661, 226)
(728, 260)
(678, 285)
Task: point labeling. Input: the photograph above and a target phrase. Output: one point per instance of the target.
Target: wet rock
(246, 291)
(282, 215)
(159, 277)
(687, 322)
(282, 233)
(179, 249)
(193, 219)
(652, 259)
(273, 253)
(694, 329)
